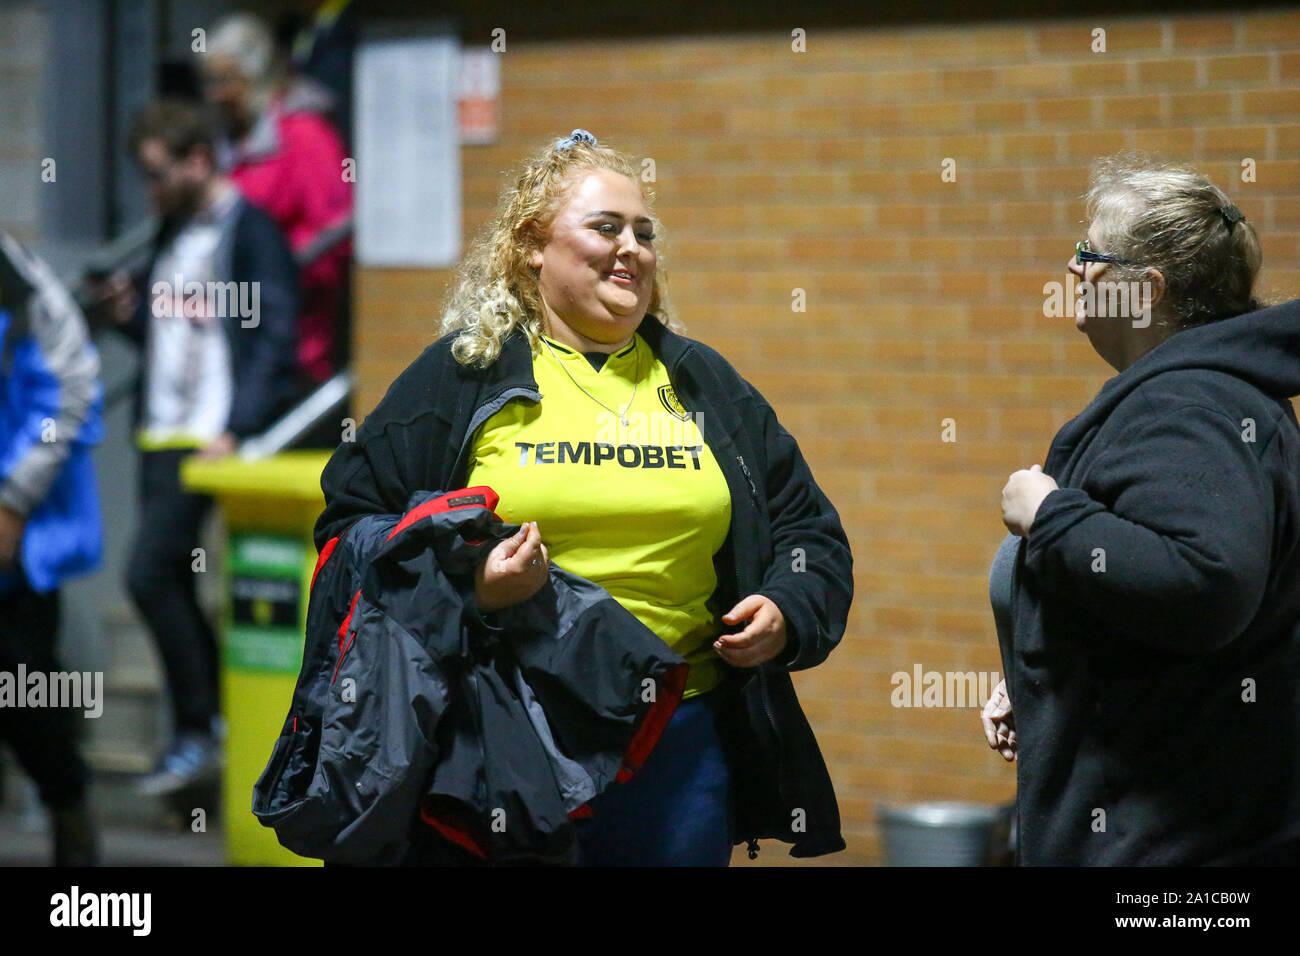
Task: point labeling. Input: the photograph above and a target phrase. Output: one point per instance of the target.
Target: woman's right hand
(999, 723)
(508, 574)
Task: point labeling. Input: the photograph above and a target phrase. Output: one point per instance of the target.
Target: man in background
(214, 313)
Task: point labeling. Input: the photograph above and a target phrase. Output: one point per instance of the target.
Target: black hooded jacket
(785, 542)
(1154, 661)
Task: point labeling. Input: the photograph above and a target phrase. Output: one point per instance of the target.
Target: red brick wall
(821, 171)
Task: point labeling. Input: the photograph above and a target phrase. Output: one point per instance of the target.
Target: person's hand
(11, 537)
(115, 298)
(1023, 493)
(999, 723)
(513, 571)
(219, 447)
(762, 639)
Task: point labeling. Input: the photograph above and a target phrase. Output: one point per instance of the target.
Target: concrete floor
(119, 846)
(133, 831)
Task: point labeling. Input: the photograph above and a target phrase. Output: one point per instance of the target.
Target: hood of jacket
(1261, 348)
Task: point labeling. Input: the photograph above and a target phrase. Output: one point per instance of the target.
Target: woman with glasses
(1147, 599)
(639, 459)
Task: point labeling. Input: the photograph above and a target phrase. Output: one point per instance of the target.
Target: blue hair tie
(574, 138)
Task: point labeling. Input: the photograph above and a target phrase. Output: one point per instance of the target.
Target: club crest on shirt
(673, 403)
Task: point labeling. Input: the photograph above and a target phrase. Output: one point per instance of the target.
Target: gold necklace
(622, 417)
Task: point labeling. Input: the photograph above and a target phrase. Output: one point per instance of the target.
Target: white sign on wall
(408, 180)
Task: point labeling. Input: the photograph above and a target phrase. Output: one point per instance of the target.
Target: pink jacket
(291, 166)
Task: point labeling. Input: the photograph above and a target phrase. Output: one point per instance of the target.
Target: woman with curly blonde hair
(496, 287)
(655, 471)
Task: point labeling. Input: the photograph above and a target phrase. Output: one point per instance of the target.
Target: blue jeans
(676, 810)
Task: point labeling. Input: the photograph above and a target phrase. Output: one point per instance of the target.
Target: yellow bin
(270, 507)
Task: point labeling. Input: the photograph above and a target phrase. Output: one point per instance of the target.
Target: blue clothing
(675, 811)
(50, 417)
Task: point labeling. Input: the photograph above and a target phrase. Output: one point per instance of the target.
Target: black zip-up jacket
(785, 542)
(1154, 661)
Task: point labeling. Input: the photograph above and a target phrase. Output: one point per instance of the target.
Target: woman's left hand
(762, 639)
(1021, 497)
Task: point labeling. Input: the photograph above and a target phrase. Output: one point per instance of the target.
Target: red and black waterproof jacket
(409, 708)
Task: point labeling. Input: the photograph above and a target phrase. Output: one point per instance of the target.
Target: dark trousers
(164, 586)
(677, 809)
(44, 739)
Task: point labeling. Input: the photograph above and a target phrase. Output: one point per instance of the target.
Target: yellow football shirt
(638, 509)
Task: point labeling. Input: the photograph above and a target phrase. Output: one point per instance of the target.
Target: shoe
(75, 840)
(194, 757)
